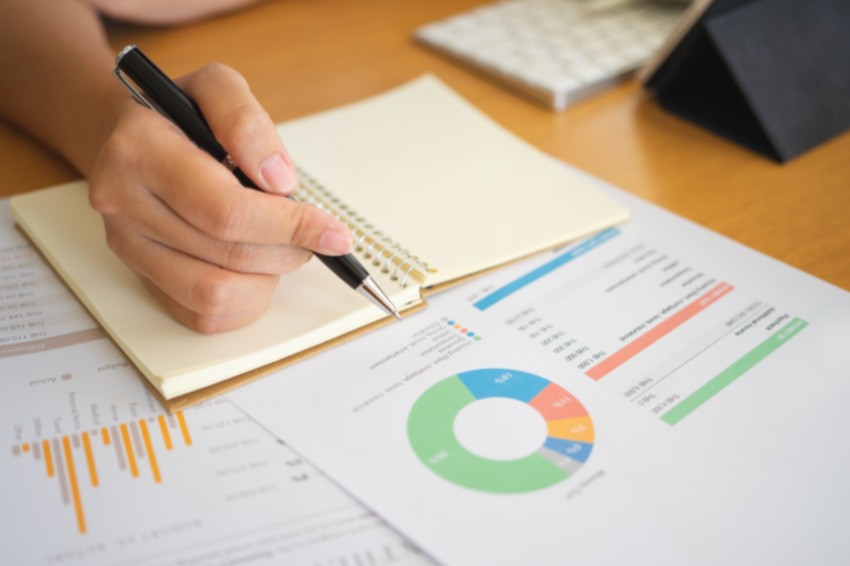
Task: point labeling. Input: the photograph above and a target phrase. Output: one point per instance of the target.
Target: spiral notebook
(433, 190)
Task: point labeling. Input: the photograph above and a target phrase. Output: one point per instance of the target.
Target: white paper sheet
(657, 394)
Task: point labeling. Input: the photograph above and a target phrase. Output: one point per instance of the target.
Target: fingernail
(335, 242)
(277, 175)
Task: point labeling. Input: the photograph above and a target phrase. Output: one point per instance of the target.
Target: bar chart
(121, 481)
(74, 459)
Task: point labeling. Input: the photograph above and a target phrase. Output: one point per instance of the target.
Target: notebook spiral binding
(373, 245)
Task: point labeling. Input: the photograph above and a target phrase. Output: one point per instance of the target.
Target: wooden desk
(302, 56)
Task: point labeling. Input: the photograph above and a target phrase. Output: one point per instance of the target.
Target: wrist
(107, 102)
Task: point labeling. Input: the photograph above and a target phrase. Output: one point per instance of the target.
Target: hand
(209, 249)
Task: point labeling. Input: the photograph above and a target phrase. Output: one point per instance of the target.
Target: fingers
(208, 197)
(161, 225)
(138, 176)
(200, 295)
(209, 249)
(249, 135)
(206, 324)
(242, 126)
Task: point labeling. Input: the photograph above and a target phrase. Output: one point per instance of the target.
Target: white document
(656, 394)
(94, 472)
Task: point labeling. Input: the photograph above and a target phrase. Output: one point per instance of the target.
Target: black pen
(155, 90)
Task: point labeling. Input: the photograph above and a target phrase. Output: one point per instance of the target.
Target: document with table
(653, 394)
(654, 385)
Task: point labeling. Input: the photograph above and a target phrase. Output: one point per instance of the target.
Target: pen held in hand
(152, 88)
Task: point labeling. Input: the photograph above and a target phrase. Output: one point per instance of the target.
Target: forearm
(55, 62)
(167, 12)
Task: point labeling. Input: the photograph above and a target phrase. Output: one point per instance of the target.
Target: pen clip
(136, 94)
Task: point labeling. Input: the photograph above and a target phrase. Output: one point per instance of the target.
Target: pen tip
(374, 293)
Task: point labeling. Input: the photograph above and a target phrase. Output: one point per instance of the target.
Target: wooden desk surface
(302, 56)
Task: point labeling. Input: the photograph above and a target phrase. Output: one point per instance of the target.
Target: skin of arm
(207, 248)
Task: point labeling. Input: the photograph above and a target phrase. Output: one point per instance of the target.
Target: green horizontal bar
(716, 384)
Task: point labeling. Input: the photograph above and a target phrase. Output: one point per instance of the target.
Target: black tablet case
(773, 75)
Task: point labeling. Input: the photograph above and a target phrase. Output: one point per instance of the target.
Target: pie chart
(521, 409)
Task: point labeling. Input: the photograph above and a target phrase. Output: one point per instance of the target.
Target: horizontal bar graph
(75, 460)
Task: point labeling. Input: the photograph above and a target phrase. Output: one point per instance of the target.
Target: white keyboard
(556, 51)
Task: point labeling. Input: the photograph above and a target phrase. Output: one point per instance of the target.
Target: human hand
(209, 249)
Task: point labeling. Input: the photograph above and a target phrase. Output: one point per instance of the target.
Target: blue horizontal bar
(566, 257)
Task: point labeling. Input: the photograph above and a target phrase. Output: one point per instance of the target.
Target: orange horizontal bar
(629, 351)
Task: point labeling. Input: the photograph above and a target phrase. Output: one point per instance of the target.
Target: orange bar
(104, 434)
(25, 447)
(75, 489)
(149, 448)
(184, 429)
(128, 448)
(166, 436)
(90, 460)
(629, 351)
(48, 458)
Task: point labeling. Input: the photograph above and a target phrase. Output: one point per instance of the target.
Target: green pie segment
(431, 432)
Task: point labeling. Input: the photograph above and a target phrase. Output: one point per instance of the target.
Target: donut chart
(569, 440)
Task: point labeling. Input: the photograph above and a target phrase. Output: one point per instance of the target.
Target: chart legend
(463, 330)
